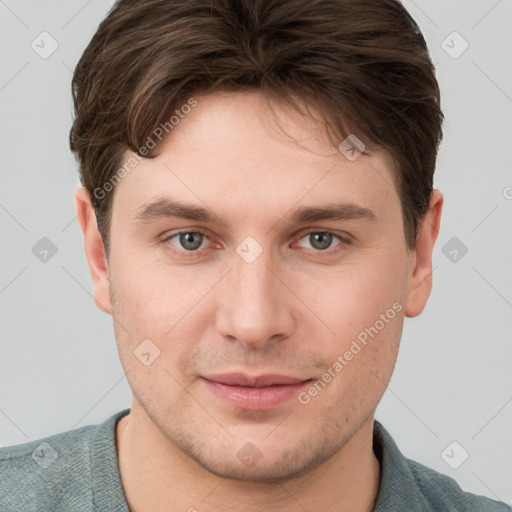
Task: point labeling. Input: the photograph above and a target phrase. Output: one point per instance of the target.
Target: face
(258, 334)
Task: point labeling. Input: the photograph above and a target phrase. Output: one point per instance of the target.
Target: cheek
(150, 336)
(359, 364)
(158, 303)
(152, 297)
(353, 297)
(362, 305)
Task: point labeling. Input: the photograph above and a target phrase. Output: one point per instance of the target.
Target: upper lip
(242, 379)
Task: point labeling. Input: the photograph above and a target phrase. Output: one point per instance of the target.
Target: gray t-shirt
(77, 471)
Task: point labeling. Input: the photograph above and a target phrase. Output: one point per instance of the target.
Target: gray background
(453, 379)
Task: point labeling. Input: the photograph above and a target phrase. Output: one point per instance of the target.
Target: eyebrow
(164, 208)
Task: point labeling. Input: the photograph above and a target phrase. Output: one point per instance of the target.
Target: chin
(259, 465)
(270, 473)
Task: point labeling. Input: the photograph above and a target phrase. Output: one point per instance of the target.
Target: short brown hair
(363, 61)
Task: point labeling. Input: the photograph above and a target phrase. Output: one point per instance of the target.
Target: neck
(156, 474)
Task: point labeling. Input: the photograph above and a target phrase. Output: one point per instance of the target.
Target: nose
(256, 307)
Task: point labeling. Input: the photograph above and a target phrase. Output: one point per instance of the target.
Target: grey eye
(190, 241)
(320, 240)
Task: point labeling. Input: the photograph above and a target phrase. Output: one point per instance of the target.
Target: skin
(292, 311)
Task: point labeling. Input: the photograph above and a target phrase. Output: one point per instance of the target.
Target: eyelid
(342, 235)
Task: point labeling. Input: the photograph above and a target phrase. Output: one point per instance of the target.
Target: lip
(255, 392)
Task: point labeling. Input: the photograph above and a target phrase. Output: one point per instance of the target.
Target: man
(258, 218)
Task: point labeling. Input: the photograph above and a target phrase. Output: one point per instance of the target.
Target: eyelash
(332, 251)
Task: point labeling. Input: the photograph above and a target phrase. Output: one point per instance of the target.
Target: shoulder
(408, 485)
(440, 490)
(74, 470)
(42, 474)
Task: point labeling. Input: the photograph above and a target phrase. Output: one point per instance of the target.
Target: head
(257, 198)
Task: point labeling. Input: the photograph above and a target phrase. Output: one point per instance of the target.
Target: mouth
(254, 392)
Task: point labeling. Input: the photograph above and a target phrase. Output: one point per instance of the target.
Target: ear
(94, 249)
(420, 276)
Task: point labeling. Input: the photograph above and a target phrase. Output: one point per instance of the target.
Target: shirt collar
(107, 489)
(398, 489)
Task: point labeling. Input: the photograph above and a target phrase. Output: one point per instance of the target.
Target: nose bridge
(256, 307)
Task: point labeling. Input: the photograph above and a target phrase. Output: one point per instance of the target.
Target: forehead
(233, 150)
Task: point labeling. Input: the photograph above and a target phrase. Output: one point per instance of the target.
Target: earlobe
(94, 249)
(420, 277)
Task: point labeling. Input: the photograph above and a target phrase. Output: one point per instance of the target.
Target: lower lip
(256, 399)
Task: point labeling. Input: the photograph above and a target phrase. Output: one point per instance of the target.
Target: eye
(190, 241)
(321, 241)
(193, 241)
